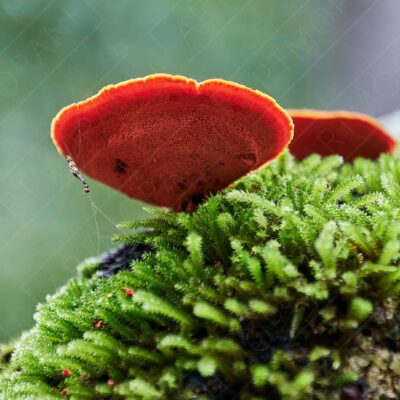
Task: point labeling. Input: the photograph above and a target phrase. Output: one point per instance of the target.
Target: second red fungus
(348, 134)
(167, 139)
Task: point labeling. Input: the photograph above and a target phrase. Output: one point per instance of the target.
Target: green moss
(284, 286)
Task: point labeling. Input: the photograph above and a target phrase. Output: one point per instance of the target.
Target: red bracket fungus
(348, 134)
(167, 140)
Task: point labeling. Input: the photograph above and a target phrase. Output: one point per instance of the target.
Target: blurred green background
(309, 53)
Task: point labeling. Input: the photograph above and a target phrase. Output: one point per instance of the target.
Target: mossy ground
(284, 286)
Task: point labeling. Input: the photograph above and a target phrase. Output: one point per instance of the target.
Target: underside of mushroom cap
(166, 139)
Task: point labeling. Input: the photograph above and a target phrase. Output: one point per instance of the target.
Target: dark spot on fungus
(169, 129)
(348, 134)
(120, 166)
(249, 158)
(182, 187)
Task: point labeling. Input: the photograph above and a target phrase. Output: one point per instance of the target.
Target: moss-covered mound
(285, 286)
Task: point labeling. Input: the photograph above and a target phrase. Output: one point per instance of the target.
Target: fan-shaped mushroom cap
(348, 134)
(165, 139)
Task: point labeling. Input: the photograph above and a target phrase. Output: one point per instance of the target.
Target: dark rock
(215, 387)
(354, 391)
(262, 339)
(120, 258)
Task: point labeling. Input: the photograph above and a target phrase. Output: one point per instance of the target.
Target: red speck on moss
(165, 139)
(66, 373)
(129, 292)
(99, 324)
(348, 134)
(217, 264)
